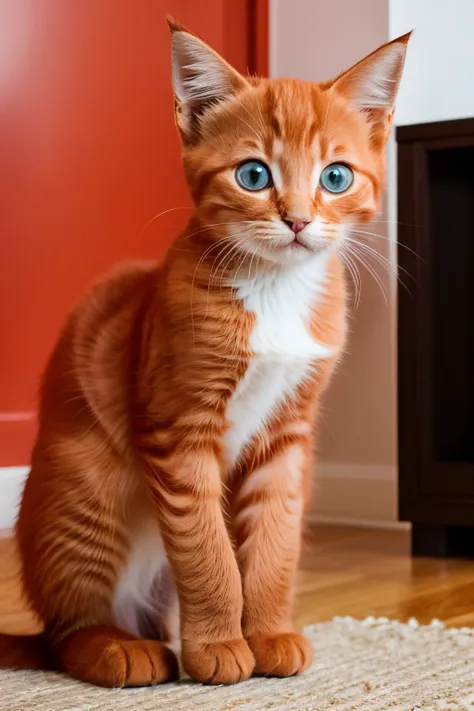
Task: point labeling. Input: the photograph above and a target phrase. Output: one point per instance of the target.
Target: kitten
(173, 459)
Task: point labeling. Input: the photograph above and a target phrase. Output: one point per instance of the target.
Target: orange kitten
(173, 459)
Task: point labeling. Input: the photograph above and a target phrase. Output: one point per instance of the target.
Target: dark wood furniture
(436, 335)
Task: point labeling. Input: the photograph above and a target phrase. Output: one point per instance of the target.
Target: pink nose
(297, 225)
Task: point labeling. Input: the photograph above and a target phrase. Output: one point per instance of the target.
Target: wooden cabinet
(436, 334)
(89, 155)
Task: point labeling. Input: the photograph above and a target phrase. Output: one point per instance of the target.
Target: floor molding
(335, 483)
(351, 470)
(329, 520)
(12, 480)
(359, 494)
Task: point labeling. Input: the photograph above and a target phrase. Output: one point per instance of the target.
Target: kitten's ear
(200, 77)
(372, 84)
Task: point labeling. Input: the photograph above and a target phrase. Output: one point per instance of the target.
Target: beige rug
(374, 665)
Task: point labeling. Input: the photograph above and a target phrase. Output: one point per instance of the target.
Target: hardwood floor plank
(344, 571)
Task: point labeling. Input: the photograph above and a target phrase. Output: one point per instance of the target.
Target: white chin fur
(288, 254)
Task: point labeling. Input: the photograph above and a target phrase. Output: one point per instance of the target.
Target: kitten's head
(283, 166)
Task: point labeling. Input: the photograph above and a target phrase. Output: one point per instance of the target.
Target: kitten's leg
(187, 492)
(73, 543)
(268, 532)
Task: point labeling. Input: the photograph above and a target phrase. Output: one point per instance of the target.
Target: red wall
(89, 154)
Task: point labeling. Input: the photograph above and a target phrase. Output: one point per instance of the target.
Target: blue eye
(253, 175)
(336, 178)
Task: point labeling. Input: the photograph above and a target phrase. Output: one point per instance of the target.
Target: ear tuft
(373, 82)
(200, 76)
(175, 25)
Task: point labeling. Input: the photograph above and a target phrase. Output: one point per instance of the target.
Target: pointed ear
(200, 77)
(372, 84)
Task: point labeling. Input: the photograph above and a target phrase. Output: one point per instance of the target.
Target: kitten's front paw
(280, 654)
(218, 662)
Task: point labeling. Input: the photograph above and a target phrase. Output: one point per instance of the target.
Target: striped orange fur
(174, 454)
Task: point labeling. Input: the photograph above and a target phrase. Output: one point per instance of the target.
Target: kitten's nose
(296, 225)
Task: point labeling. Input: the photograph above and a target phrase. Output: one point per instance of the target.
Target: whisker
(392, 269)
(224, 251)
(354, 272)
(203, 256)
(373, 254)
(160, 214)
(393, 222)
(215, 224)
(259, 122)
(246, 123)
(387, 239)
(357, 281)
(250, 265)
(225, 261)
(237, 271)
(263, 123)
(371, 271)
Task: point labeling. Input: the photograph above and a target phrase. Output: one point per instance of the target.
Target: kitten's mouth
(297, 244)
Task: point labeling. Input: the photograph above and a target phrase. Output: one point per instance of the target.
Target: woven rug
(374, 665)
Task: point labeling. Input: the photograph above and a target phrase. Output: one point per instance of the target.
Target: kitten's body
(283, 356)
(173, 459)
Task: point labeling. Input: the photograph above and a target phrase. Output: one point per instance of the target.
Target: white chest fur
(282, 344)
(134, 591)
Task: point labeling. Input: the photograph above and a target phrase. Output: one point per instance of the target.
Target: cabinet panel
(436, 326)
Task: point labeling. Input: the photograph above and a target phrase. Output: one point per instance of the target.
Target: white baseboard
(12, 480)
(349, 470)
(355, 494)
(329, 520)
(345, 494)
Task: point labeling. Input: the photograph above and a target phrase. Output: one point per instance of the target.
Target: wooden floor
(344, 571)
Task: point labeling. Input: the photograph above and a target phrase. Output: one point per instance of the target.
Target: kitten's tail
(29, 652)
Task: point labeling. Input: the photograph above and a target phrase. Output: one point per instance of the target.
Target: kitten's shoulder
(113, 298)
(121, 285)
(124, 278)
